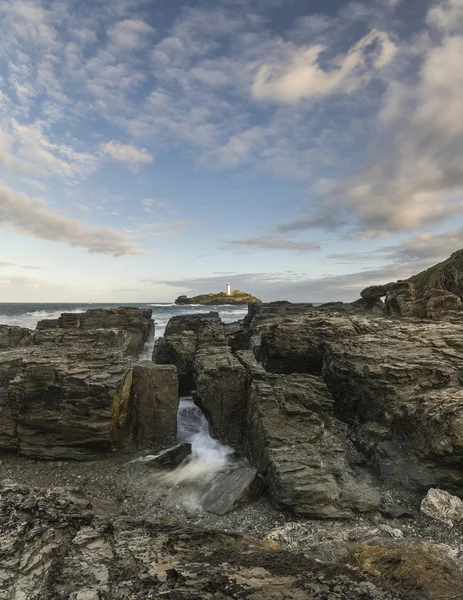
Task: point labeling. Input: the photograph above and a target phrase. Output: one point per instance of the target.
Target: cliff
(447, 275)
(236, 297)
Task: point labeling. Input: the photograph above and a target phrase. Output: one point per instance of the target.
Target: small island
(236, 297)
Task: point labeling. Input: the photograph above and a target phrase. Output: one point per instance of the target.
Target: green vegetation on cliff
(447, 275)
(236, 297)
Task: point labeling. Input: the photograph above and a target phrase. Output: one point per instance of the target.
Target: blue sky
(300, 149)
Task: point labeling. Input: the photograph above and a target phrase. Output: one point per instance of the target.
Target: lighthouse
(228, 290)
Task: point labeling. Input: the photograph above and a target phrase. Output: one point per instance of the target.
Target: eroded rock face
(291, 438)
(222, 386)
(73, 393)
(137, 324)
(397, 382)
(184, 336)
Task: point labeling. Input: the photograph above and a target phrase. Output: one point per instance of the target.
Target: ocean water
(28, 314)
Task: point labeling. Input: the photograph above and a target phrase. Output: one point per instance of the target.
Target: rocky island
(236, 297)
(345, 426)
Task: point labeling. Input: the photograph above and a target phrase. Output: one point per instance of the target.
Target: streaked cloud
(273, 243)
(31, 217)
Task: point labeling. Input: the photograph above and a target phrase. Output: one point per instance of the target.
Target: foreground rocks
(74, 392)
(59, 544)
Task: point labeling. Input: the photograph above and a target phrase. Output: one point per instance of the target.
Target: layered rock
(137, 323)
(183, 337)
(398, 383)
(237, 297)
(291, 438)
(74, 393)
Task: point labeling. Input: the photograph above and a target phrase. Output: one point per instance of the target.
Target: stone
(137, 324)
(151, 418)
(443, 306)
(440, 505)
(170, 457)
(289, 438)
(400, 299)
(221, 386)
(73, 394)
(374, 292)
(232, 488)
(183, 337)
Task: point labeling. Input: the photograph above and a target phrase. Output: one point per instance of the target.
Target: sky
(300, 149)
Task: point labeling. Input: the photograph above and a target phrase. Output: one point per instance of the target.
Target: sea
(28, 314)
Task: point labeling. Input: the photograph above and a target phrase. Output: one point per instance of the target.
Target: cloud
(299, 74)
(165, 229)
(304, 223)
(130, 34)
(30, 216)
(128, 154)
(273, 243)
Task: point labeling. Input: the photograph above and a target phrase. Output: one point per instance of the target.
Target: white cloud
(128, 154)
(30, 216)
(299, 74)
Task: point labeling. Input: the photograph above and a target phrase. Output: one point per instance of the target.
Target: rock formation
(73, 392)
(323, 398)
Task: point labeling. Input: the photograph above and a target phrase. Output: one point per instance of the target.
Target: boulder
(221, 385)
(441, 505)
(231, 488)
(442, 305)
(171, 457)
(151, 413)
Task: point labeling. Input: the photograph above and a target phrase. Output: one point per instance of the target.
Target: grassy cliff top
(236, 297)
(447, 275)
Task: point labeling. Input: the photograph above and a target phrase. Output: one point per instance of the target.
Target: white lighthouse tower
(228, 290)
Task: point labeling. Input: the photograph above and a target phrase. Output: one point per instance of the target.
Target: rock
(441, 505)
(221, 385)
(396, 511)
(443, 306)
(135, 322)
(304, 462)
(447, 276)
(171, 457)
(374, 292)
(424, 570)
(232, 488)
(401, 378)
(73, 394)
(151, 418)
(400, 299)
(183, 337)
(54, 547)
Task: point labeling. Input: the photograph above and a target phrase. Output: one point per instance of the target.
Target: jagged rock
(171, 457)
(221, 385)
(15, 337)
(304, 461)
(374, 292)
(183, 337)
(400, 299)
(72, 394)
(441, 505)
(151, 413)
(447, 275)
(402, 376)
(135, 322)
(57, 546)
(232, 488)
